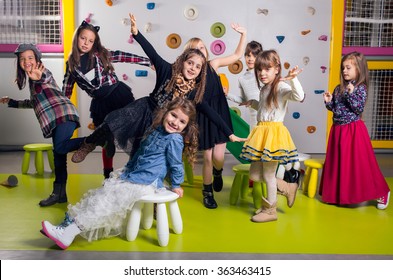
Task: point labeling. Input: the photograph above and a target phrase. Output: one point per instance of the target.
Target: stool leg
(306, 180)
(313, 183)
(245, 189)
(39, 163)
(257, 194)
(235, 189)
(25, 162)
(162, 225)
(51, 159)
(174, 212)
(189, 172)
(147, 216)
(134, 221)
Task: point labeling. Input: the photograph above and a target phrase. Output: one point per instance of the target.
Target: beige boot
(268, 212)
(288, 190)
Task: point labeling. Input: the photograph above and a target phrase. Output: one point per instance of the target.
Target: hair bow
(85, 23)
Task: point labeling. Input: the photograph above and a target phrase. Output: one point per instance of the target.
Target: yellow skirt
(270, 141)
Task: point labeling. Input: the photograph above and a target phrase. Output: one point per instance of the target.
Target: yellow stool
(240, 186)
(39, 159)
(310, 182)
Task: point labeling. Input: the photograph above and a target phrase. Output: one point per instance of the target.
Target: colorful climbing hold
(311, 129)
(150, 5)
(280, 38)
(305, 32)
(140, 73)
(322, 38)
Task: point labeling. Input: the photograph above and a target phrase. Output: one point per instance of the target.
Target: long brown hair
(265, 60)
(190, 133)
(177, 68)
(98, 49)
(360, 63)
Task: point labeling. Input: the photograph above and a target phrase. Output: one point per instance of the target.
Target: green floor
(310, 227)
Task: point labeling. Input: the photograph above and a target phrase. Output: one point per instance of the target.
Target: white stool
(147, 203)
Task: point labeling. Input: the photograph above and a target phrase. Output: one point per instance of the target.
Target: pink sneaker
(383, 202)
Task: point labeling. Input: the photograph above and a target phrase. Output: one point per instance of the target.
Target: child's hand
(350, 87)
(225, 89)
(178, 191)
(327, 96)
(292, 73)
(35, 73)
(4, 100)
(134, 28)
(238, 28)
(234, 138)
(246, 103)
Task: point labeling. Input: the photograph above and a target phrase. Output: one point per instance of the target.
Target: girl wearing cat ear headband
(90, 66)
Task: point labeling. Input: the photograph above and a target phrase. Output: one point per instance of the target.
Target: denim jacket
(159, 155)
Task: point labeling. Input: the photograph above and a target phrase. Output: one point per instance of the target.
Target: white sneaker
(61, 235)
(383, 201)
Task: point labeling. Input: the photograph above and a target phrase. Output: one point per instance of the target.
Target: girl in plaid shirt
(56, 114)
(90, 66)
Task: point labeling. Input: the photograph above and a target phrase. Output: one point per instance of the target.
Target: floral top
(347, 107)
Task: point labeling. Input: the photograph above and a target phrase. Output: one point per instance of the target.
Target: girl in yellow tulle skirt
(270, 142)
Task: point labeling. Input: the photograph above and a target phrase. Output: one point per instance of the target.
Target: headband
(85, 23)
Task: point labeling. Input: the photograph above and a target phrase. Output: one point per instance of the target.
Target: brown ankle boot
(268, 212)
(82, 152)
(288, 190)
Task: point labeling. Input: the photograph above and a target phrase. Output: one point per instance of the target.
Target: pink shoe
(383, 201)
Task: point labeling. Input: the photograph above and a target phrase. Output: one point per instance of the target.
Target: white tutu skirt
(102, 212)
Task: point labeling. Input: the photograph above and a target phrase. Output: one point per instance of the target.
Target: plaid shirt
(101, 78)
(50, 106)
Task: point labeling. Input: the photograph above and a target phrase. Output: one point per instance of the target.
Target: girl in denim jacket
(102, 212)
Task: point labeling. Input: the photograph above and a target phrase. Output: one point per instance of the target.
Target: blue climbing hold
(140, 73)
(296, 115)
(319, 91)
(280, 38)
(150, 5)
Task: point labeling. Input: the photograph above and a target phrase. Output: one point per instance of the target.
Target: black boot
(99, 135)
(58, 195)
(208, 197)
(110, 147)
(103, 137)
(217, 182)
(107, 172)
(291, 176)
